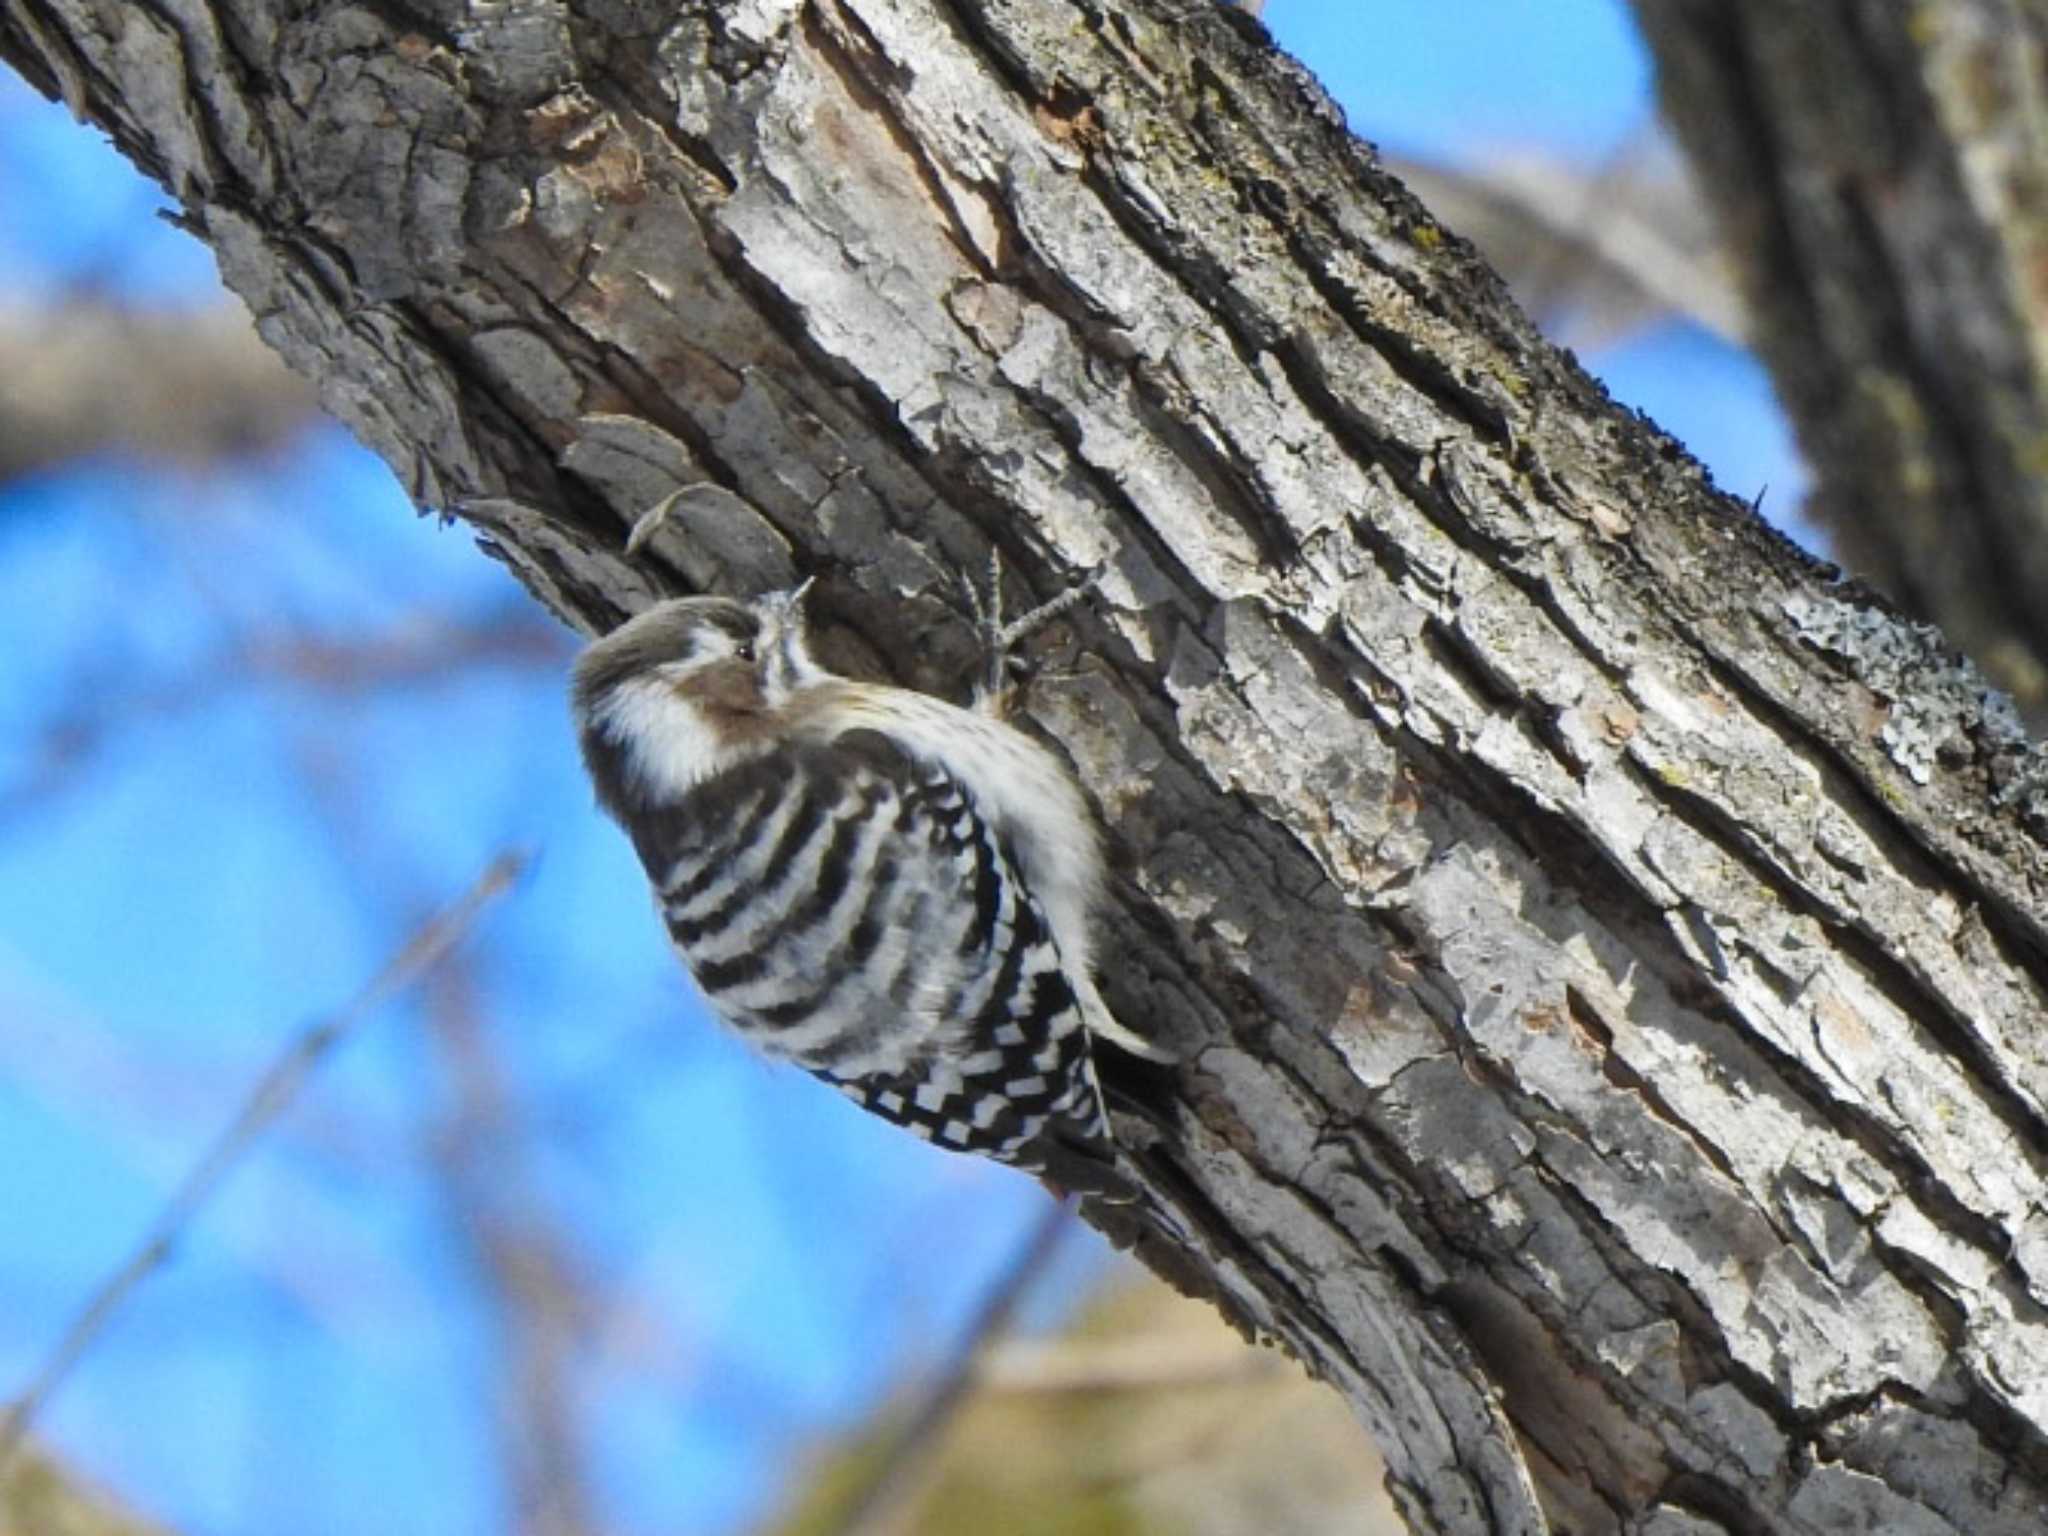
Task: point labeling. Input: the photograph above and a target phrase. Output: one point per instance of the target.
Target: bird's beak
(788, 607)
(784, 615)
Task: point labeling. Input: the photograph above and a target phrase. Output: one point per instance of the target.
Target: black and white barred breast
(844, 904)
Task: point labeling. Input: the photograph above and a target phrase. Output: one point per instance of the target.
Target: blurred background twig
(271, 1096)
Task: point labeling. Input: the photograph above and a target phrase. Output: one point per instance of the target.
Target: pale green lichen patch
(1939, 701)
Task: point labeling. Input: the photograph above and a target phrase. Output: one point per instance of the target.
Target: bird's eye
(744, 650)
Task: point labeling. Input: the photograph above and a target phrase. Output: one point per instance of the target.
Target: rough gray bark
(1879, 171)
(1609, 952)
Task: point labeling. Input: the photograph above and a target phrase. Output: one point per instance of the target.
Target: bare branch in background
(534, 1286)
(92, 378)
(893, 1484)
(1876, 172)
(1143, 1414)
(273, 1093)
(531, 1280)
(1615, 251)
(1146, 1363)
(133, 1090)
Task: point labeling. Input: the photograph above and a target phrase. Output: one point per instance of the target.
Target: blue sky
(229, 856)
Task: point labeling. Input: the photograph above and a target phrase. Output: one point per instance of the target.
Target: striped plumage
(892, 892)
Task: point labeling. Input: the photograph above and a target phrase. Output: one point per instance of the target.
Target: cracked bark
(1608, 951)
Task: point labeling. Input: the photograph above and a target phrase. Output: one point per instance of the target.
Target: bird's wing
(850, 908)
(1016, 1064)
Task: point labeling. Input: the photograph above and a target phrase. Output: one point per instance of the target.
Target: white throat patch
(669, 746)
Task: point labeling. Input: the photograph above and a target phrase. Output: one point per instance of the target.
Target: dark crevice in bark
(1915, 1000)
(1291, 1316)
(1404, 463)
(629, 83)
(851, 48)
(1660, 1294)
(1832, 1436)
(971, 21)
(1848, 781)
(1876, 1141)
(1335, 663)
(425, 21)
(1585, 1017)
(1485, 685)
(1716, 1503)
(1222, 474)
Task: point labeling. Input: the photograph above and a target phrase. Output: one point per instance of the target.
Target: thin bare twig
(533, 1282)
(273, 1092)
(874, 1509)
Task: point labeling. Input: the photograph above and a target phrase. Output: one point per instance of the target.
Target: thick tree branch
(1608, 952)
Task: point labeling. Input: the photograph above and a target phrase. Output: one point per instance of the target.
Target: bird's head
(704, 651)
(680, 691)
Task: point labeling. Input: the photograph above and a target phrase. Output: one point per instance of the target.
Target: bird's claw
(998, 640)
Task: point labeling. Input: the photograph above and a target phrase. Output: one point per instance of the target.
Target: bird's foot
(992, 693)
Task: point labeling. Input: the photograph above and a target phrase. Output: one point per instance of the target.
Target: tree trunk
(1607, 949)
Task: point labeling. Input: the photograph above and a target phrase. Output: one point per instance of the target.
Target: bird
(895, 893)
